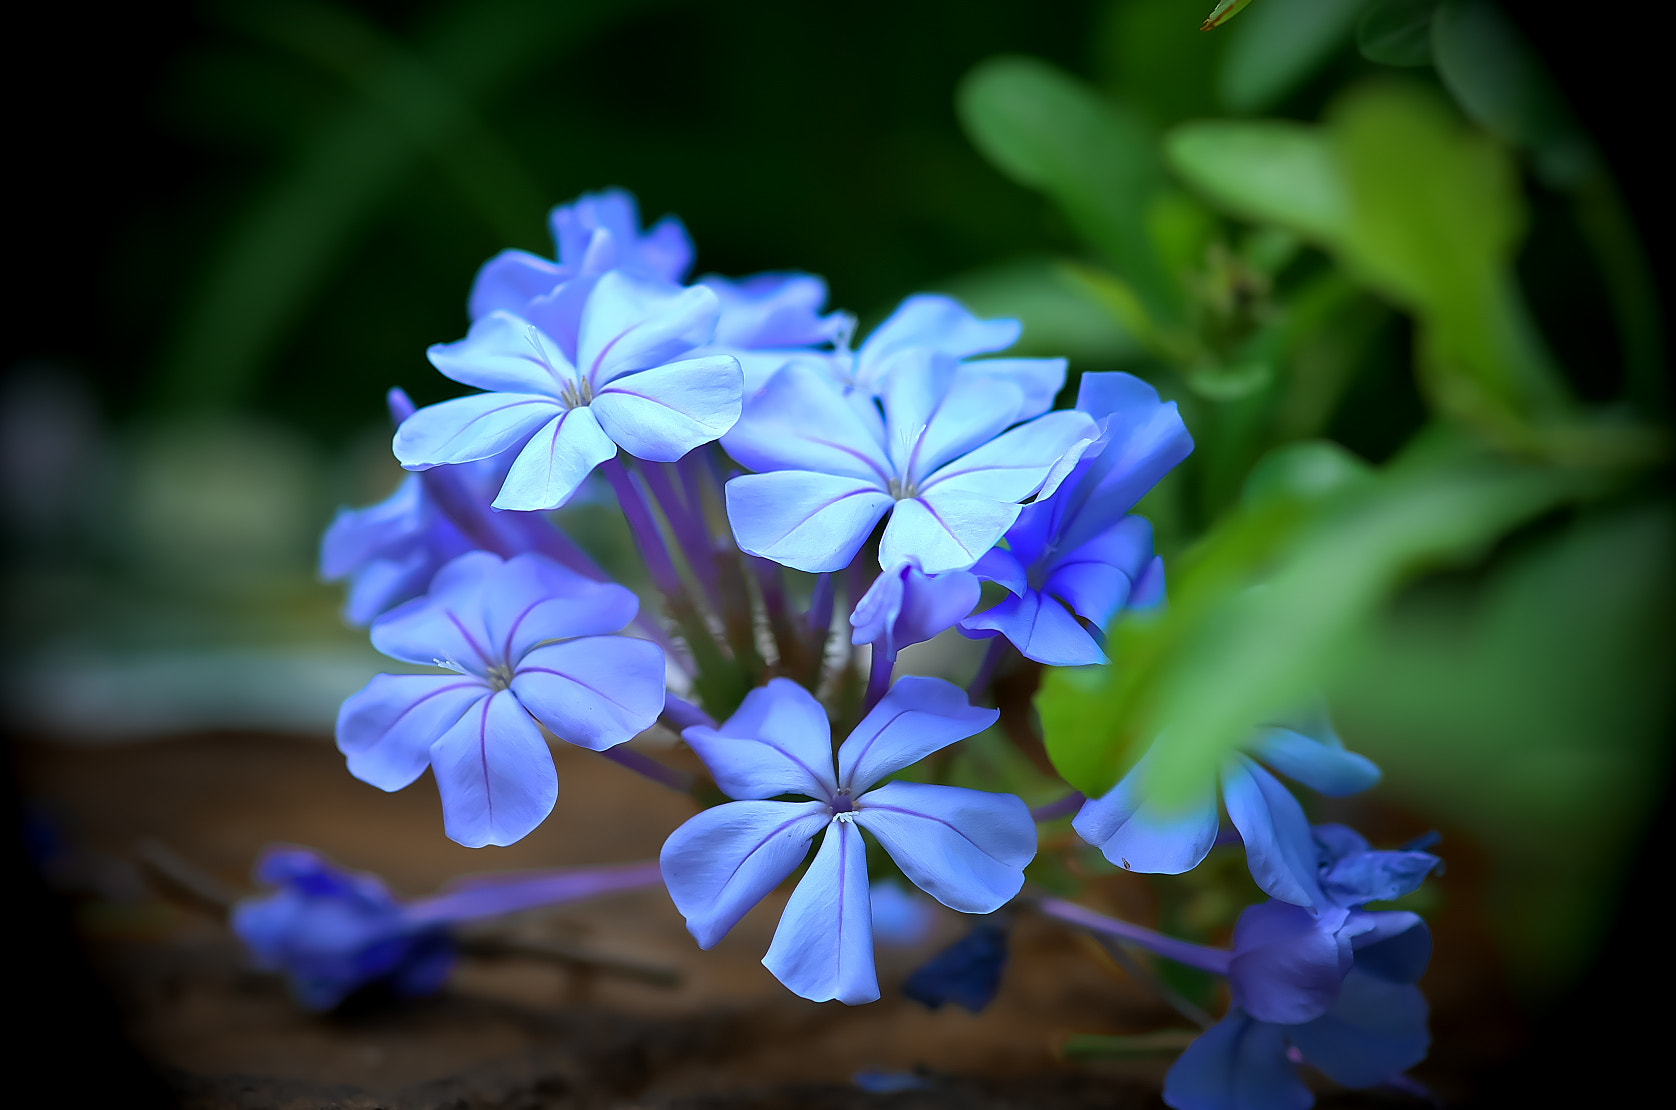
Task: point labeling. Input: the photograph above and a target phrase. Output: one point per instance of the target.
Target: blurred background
(240, 223)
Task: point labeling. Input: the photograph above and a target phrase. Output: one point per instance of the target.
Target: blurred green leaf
(1262, 612)
(1222, 13)
(1270, 171)
(1061, 315)
(1397, 32)
(259, 281)
(1278, 47)
(1096, 159)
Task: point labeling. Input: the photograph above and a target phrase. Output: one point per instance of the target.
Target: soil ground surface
(521, 1033)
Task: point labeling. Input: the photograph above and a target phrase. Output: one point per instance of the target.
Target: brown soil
(515, 1032)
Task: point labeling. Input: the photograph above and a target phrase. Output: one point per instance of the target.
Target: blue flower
(904, 606)
(596, 233)
(566, 394)
(389, 551)
(943, 460)
(966, 848)
(1074, 560)
(333, 931)
(1137, 836)
(967, 972)
(1371, 1030)
(529, 642)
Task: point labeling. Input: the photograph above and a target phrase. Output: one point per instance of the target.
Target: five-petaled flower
(530, 646)
(966, 848)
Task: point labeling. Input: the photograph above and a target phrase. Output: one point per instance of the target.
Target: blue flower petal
(1143, 439)
(594, 692)
(1133, 834)
(1017, 463)
(445, 627)
(905, 607)
(800, 421)
(1376, 876)
(470, 428)
(1288, 963)
(662, 413)
(917, 717)
(723, 861)
(387, 729)
(1375, 1030)
(1323, 767)
(1237, 1064)
(778, 742)
(495, 774)
(1394, 945)
(1041, 628)
(965, 848)
(512, 279)
(823, 948)
(1278, 847)
(631, 325)
(1001, 566)
(967, 972)
(941, 323)
(555, 461)
(806, 521)
(931, 420)
(944, 530)
(530, 599)
(505, 353)
(772, 310)
(1039, 379)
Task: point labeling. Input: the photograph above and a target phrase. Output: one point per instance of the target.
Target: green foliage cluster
(1263, 264)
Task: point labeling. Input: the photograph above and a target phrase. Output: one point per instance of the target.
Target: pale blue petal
(470, 428)
(1326, 768)
(933, 417)
(506, 354)
(387, 729)
(933, 604)
(1375, 1030)
(662, 413)
(800, 421)
(944, 530)
(725, 860)
(1133, 834)
(806, 521)
(555, 461)
(823, 949)
(1015, 464)
(965, 848)
(594, 692)
(357, 536)
(778, 742)
(445, 627)
(875, 614)
(494, 773)
(530, 599)
(1278, 847)
(917, 717)
(632, 325)
(999, 565)
(1288, 962)
(941, 323)
(512, 279)
(772, 310)
(1237, 1064)
(1041, 629)
(1039, 379)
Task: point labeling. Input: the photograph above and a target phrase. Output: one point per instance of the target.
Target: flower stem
(1200, 956)
(879, 673)
(992, 658)
(647, 767)
(493, 896)
(1056, 809)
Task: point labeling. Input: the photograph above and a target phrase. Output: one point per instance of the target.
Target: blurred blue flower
(567, 392)
(333, 931)
(966, 848)
(901, 917)
(1076, 559)
(595, 233)
(1136, 835)
(967, 972)
(529, 642)
(390, 551)
(943, 460)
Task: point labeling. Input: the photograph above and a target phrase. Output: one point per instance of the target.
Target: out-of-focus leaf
(1278, 47)
(1150, 55)
(1100, 162)
(1270, 171)
(1397, 32)
(260, 279)
(1222, 13)
(1532, 712)
(1498, 80)
(1061, 315)
(1262, 613)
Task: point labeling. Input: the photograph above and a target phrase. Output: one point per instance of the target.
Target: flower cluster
(775, 477)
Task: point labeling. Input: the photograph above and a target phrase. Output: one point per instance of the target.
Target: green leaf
(1278, 47)
(1224, 11)
(1098, 160)
(1397, 32)
(1269, 171)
